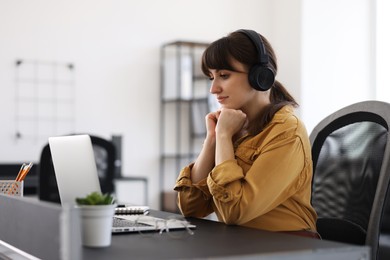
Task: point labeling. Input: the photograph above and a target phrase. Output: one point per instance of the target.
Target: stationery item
(20, 171)
(11, 187)
(24, 170)
(15, 188)
(131, 210)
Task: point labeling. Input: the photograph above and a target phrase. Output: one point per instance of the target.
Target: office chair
(351, 171)
(104, 152)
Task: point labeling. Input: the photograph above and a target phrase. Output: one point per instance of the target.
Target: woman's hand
(230, 122)
(211, 122)
(206, 159)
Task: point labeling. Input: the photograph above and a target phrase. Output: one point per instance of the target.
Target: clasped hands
(226, 122)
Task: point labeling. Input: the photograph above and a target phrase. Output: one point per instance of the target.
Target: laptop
(77, 176)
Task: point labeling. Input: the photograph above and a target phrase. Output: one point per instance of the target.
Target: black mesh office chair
(351, 173)
(104, 152)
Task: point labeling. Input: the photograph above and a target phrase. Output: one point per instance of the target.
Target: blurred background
(95, 66)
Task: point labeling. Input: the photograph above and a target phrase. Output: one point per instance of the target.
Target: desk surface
(217, 240)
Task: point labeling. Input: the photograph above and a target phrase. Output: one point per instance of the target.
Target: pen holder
(13, 188)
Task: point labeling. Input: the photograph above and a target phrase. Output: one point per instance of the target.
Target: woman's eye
(211, 78)
(224, 76)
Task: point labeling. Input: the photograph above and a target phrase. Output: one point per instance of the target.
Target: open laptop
(76, 175)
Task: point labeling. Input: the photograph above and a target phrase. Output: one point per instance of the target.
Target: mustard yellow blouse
(267, 186)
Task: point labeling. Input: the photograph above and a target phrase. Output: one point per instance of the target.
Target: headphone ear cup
(261, 77)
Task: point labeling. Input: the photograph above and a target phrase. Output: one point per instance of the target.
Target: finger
(217, 114)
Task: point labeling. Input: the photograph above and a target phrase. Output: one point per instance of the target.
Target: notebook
(123, 209)
(76, 175)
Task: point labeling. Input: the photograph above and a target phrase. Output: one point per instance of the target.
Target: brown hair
(238, 46)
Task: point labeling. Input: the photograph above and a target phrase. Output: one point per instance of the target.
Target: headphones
(261, 76)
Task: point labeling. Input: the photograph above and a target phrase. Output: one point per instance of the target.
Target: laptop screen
(74, 166)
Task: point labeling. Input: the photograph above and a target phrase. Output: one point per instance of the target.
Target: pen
(24, 171)
(20, 172)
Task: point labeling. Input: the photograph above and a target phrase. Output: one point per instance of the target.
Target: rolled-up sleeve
(184, 179)
(194, 199)
(218, 179)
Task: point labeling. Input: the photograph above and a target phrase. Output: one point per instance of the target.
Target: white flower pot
(96, 224)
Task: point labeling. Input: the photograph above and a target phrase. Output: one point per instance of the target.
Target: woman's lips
(221, 99)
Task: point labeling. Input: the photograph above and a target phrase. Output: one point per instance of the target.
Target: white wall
(286, 38)
(115, 47)
(382, 50)
(338, 56)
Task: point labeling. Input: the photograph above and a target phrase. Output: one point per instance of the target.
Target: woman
(255, 167)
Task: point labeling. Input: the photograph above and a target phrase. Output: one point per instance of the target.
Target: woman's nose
(214, 88)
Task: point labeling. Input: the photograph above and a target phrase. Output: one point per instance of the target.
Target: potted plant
(97, 212)
(96, 198)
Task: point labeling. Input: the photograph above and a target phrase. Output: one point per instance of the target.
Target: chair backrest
(104, 152)
(351, 152)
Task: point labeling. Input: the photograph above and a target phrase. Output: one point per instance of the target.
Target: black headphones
(261, 76)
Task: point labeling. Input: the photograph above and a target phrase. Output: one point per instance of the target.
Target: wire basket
(13, 188)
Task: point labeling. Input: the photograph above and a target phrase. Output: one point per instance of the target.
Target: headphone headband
(259, 45)
(261, 76)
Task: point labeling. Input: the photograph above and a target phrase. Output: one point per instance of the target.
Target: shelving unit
(184, 104)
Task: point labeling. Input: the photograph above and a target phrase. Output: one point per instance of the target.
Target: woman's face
(231, 88)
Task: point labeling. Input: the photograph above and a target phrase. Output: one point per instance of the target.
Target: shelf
(184, 104)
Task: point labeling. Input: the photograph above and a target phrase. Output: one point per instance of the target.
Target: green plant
(96, 198)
